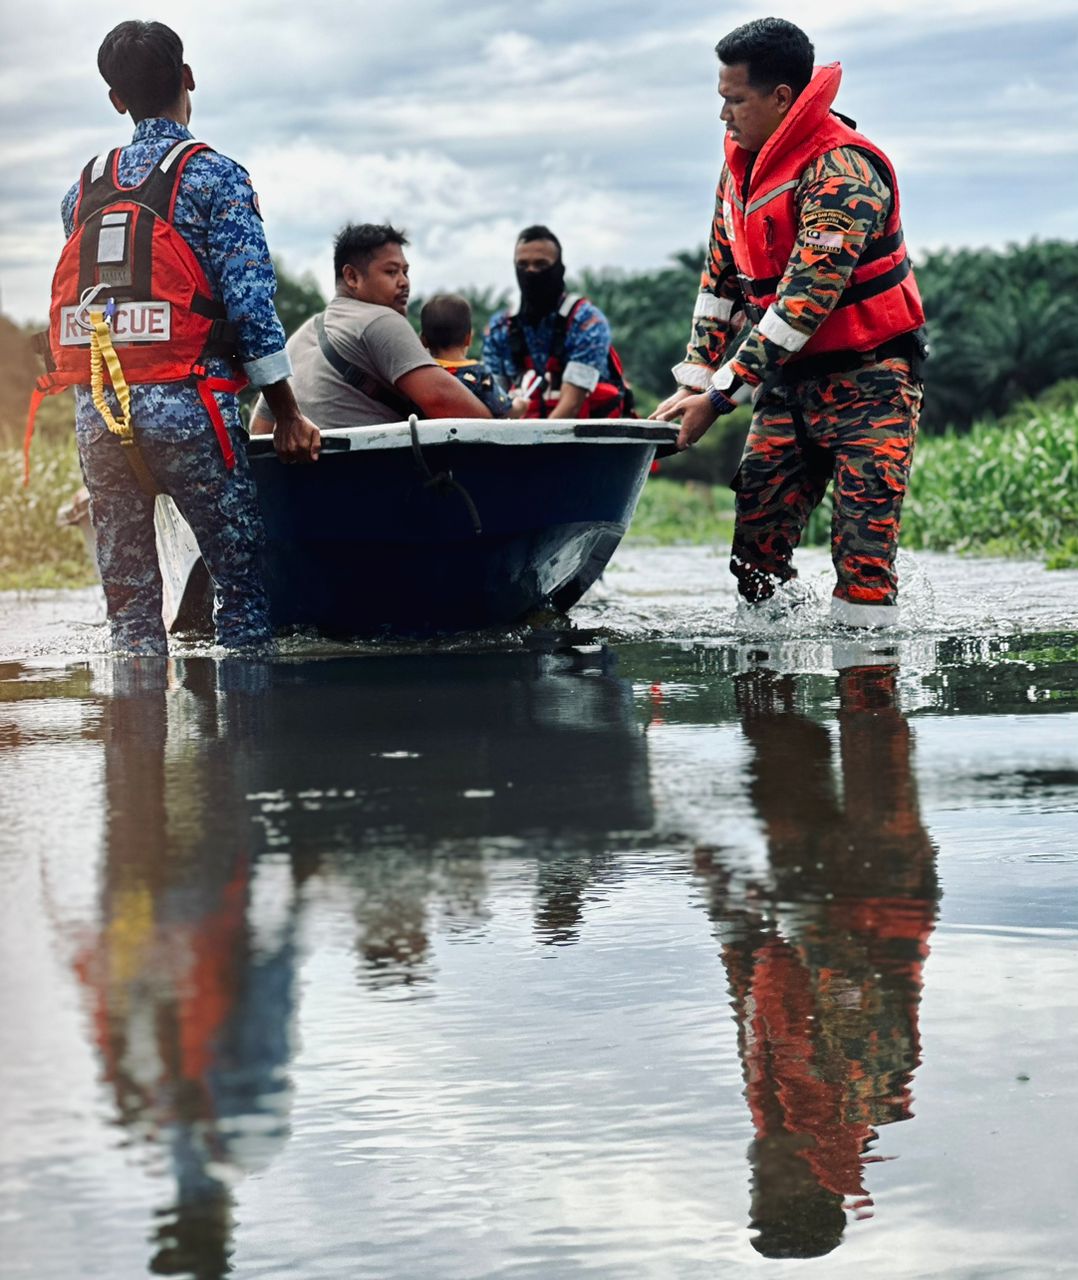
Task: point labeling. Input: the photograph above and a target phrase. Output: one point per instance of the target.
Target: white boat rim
(520, 431)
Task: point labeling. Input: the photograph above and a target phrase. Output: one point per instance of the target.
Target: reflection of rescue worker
(445, 329)
(806, 246)
(191, 997)
(166, 279)
(825, 964)
(554, 353)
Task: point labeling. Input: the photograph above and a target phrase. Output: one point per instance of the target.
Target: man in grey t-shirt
(359, 363)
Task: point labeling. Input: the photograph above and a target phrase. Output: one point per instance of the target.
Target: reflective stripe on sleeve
(696, 376)
(725, 378)
(708, 307)
(267, 370)
(784, 335)
(580, 375)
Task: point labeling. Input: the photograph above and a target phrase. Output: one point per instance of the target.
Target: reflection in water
(430, 764)
(825, 962)
(191, 1003)
(385, 780)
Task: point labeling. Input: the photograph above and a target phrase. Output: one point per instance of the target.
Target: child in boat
(445, 329)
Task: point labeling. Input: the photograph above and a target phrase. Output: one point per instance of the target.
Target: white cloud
(462, 222)
(465, 122)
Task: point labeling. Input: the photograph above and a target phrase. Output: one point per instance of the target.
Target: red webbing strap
(35, 404)
(182, 164)
(206, 388)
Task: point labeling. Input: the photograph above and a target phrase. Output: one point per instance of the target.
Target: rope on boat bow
(443, 482)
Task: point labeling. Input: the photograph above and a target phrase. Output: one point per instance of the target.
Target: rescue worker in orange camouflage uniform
(806, 252)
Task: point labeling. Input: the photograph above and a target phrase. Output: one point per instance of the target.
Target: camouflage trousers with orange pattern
(854, 430)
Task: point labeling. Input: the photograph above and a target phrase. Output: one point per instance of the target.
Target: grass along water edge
(1004, 488)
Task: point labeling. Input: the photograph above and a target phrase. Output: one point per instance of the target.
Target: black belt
(907, 346)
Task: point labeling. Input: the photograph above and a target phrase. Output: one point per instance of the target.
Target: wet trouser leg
(868, 421)
(221, 507)
(122, 516)
(776, 489)
(222, 510)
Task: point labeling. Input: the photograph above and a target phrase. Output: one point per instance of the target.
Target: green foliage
(1002, 326)
(20, 367)
(1001, 489)
(34, 550)
(650, 316)
(671, 512)
(298, 297)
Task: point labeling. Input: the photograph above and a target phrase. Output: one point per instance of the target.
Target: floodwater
(672, 944)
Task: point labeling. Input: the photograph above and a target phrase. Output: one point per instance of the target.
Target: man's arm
(569, 401)
(587, 353)
(395, 353)
(295, 438)
(439, 395)
(240, 259)
(717, 315)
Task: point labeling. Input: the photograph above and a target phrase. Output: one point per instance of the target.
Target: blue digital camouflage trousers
(221, 507)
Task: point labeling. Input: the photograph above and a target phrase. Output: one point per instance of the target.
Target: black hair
(143, 63)
(773, 52)
(445, 321)
(358, 242)
(538, 232)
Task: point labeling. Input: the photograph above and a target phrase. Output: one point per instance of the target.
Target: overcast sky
(464, 122)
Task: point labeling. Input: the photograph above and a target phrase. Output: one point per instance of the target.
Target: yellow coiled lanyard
(103, 355)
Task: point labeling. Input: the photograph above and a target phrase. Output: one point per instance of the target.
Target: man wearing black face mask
(554, 353)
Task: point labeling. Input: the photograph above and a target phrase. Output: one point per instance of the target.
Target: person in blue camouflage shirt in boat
(217, 214)
(520, 347)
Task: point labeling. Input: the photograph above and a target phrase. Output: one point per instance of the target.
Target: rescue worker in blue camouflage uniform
(806, 253)
(216, 212)
(554, 353)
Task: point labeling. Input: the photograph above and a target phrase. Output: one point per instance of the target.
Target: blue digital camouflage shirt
(475, 375)
(587, 346)
(217, 214)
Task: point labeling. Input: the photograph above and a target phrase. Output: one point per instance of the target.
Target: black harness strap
(366, 383)
(518, 348)
(907, 346)
(819, 461)
(879, 284)
(882, 247)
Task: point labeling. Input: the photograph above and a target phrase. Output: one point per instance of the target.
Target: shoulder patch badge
(827, 228)
(255, 205)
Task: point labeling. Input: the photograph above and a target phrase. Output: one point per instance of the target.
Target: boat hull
(450, 530)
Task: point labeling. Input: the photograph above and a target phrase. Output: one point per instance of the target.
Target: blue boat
(432, 526)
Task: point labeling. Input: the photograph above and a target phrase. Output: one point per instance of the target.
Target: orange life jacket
(126, 259)
(610, 398)
(881, 300)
